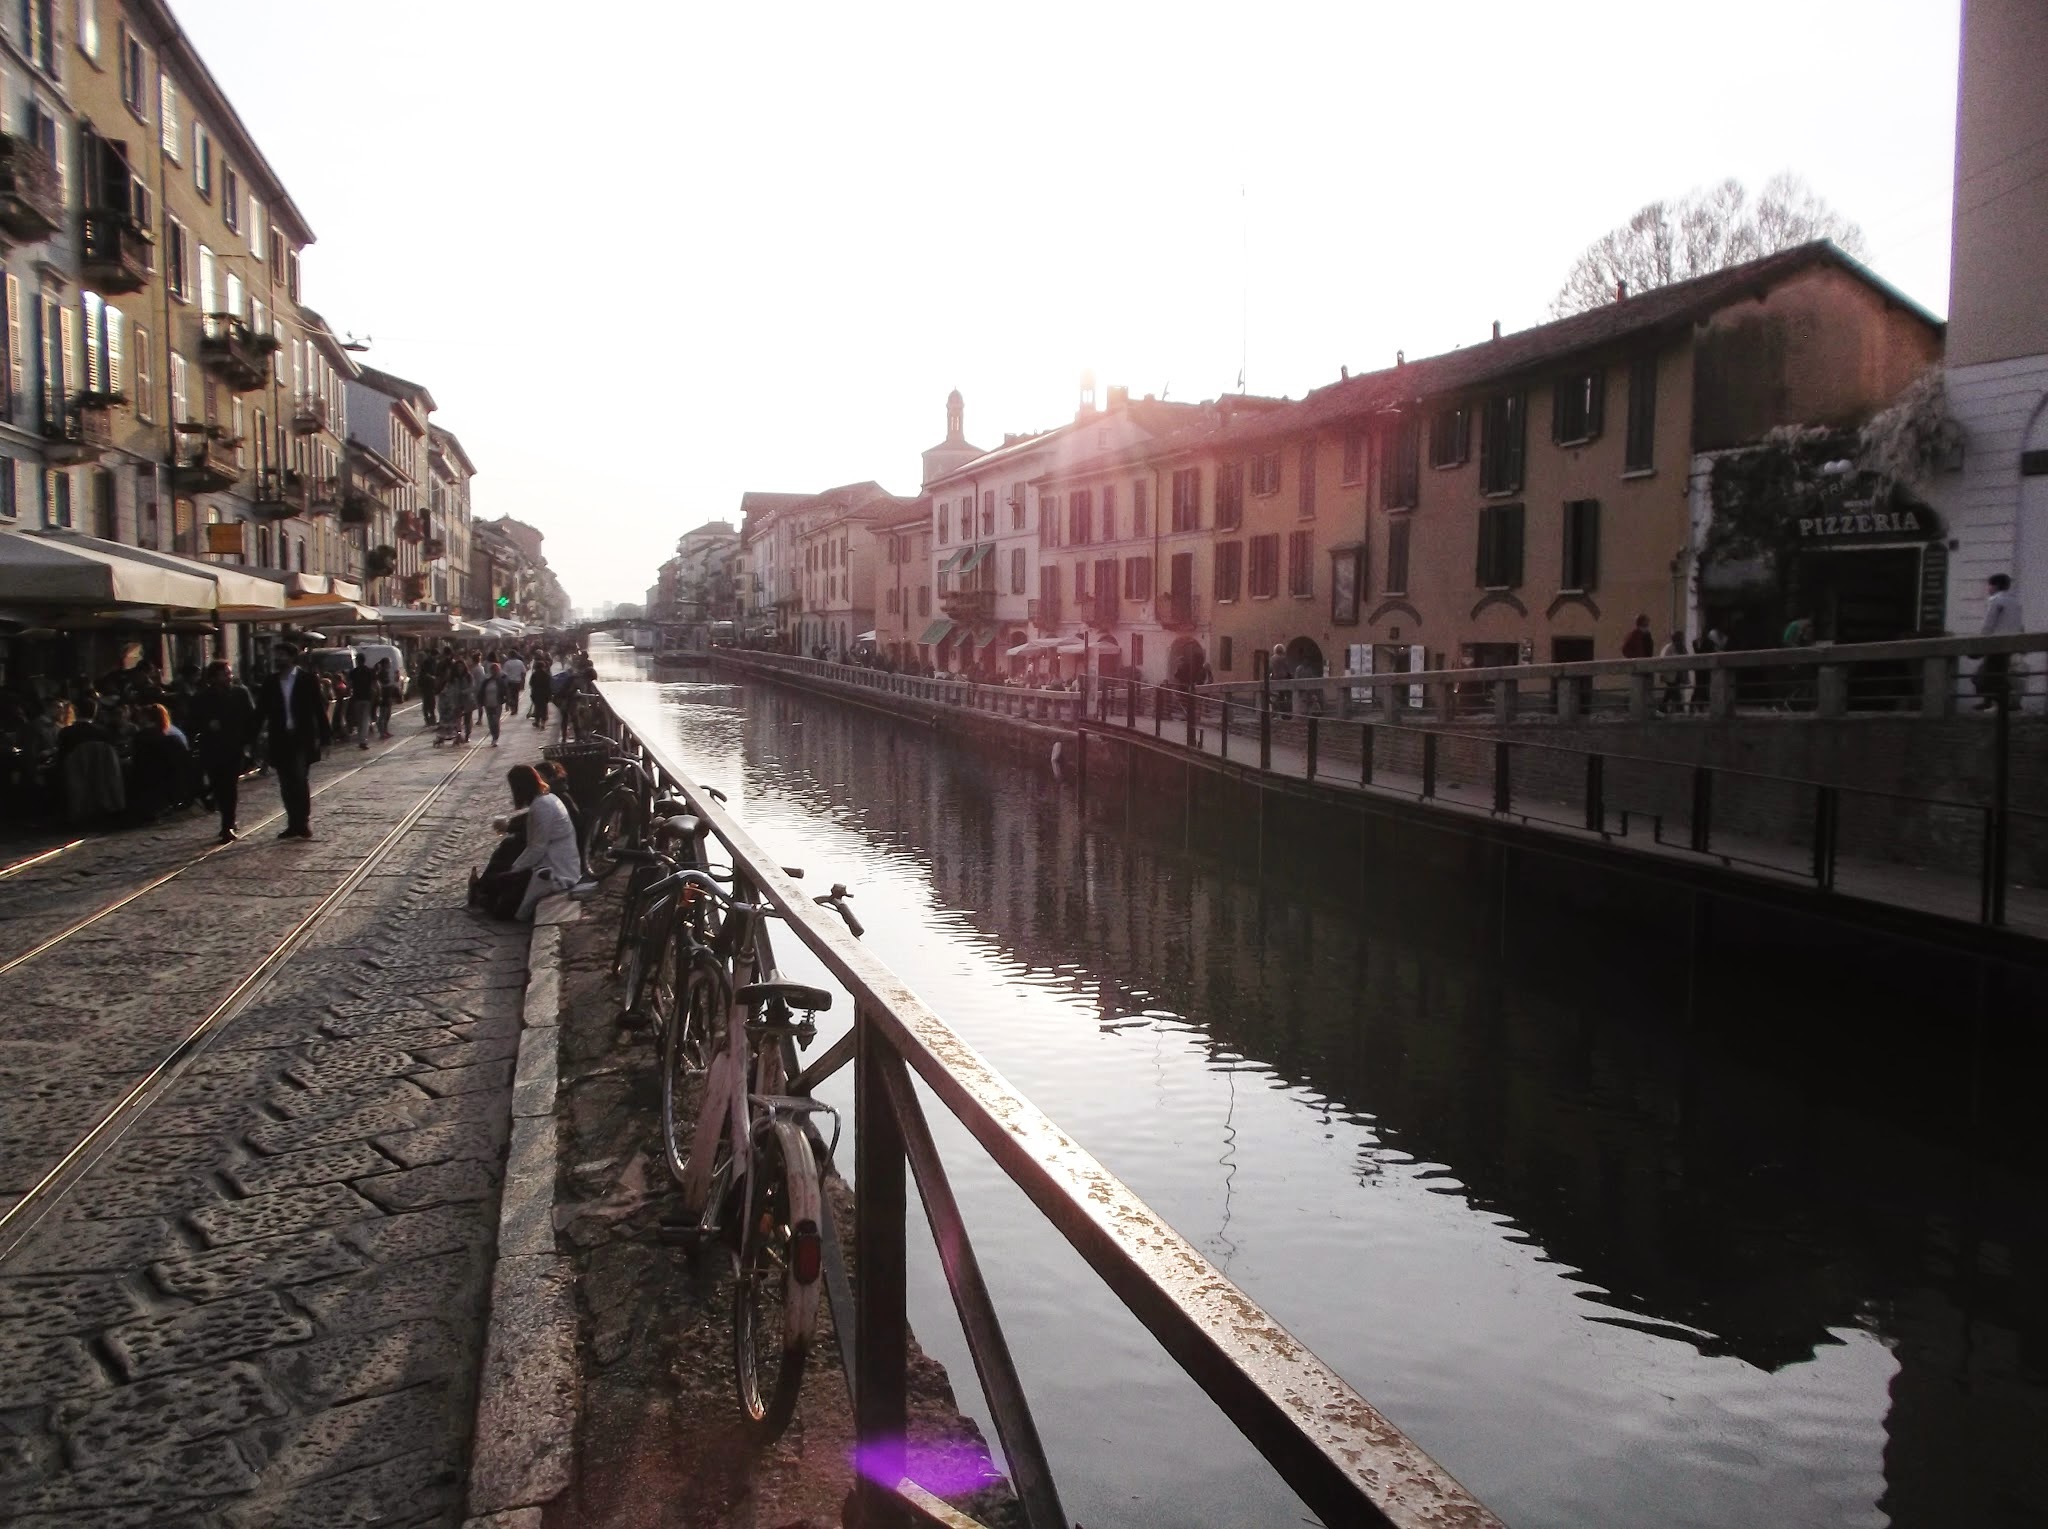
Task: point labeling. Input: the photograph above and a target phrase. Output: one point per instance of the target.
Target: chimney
(1343, 374)
(1621, 291)
(1496, 329)
(1400, 358)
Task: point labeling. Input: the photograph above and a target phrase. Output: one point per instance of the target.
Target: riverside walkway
(250, 1156)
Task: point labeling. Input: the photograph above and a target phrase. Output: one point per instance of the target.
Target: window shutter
(95, 319)
(67, 339)
(1517, 436)
(1482, 569)
(1589, 544)
(1511, 531)
(15, 359)
(1560, 393)
(1596, 401)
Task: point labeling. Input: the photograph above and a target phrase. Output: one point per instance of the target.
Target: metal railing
(1347, 1462)
(1062, 707)
(1839, 835)
(1926, 677)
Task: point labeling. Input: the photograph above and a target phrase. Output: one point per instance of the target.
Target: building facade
(904, 604)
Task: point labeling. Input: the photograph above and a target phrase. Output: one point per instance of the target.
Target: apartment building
(990, 522)
(836, 557)
(770, 587)
(384, 458)
(446, 547)
(1998, 312)
(904, 597)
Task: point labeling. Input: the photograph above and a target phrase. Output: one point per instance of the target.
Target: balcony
(413, 588)
(83, 431)
(235, 353)
(380, 562)
(357, 506)
(309, 414)
(116, 255)
(31, 201)
(323, 495)
(208, 459)
(1175, 609)
(1044, 611)
(433, 549)
(969, 605)
(279, 495)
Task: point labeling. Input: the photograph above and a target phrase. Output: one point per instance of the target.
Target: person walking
(224, 719)
(430, 687)
(387, 696)
(1712, 640)
(1674, 679)
(1639, 643)
(2002, 618)
(362, 704)
(458, 700)
(490, 699)
(290, 710)
(540, 686)
(514, 669)
(562, 695)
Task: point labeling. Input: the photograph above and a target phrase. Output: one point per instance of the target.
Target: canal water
(1606, 1273)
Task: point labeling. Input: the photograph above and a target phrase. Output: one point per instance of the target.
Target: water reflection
(1607, 1264)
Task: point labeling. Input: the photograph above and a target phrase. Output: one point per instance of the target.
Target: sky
(648, 255)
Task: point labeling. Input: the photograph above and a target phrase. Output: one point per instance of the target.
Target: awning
(985, 636)
(1102, 642)
(1034, 645)
(868, 637)
(309, 609)
(977, 557)
(936, 632)
(953, 562)
(237, 586)
(46, 571)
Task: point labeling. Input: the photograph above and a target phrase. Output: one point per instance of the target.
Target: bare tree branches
(1705, 230)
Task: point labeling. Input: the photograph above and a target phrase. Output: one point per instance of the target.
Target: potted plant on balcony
(380, 562)
(409, 528)
(355, 507)
(433, 549)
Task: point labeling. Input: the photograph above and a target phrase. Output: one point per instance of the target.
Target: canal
(1608, 1264)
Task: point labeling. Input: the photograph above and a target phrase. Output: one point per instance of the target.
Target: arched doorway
(1305, 658)
(1185, 661)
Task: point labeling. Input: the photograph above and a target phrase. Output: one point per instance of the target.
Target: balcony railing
(115, 257)
(279, 495)
(323, 495)
(208, 459)
(309, 414)
(969, 604)
(1175, 609)
(235, 353)
(1044, 611)
(31, 199)
(83, 429)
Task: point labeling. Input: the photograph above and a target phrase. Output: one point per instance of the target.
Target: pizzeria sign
(1854, 524)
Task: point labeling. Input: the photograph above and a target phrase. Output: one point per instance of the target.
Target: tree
(1702, 231)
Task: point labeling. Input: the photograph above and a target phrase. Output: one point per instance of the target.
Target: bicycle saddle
(796, 994)
(671, 807)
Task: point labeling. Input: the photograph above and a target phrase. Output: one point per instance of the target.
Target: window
(89, 29)
(230, 197)
(1502, 431)
(57, 495)
(54, 332)
(1641, 454)
(1109, 512)
(924, 599)
(1354, 458)
(167, 116)
(145, 377)
(209, 284)
(202, 159)
(1137, 651)
(1226, 650)
(1262, 577)
(1187, 499)
(239, 308)
(1301, 571)
(1577, 403)
(1450, 436)
(967, 519)
(1105, 590)
(944, 520)
(39, 32)
(259, 228)
(1266, 473)
(1080, 581)
(16, 362)
(1137, 578)
(1305, 489)
(102, 344)
(892, 602)
(1397, 556)
(1229, 569)
(181, 392)
(1581, 544)
(9, 506)
(1401, 466)
(1230, 496)
(1141, 507)
(988, 499)
(1080, 517)
(178, 259)
(134, 75)
(1016, 506)
(1016, 570)
(1500, 546)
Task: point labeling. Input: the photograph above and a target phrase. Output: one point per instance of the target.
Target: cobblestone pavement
(264, 1305)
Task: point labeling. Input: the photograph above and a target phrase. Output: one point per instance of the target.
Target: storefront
(1860, 573)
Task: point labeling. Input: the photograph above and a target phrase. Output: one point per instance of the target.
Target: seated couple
(538, 855)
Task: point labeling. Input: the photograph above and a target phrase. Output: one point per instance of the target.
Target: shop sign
(1866, 522)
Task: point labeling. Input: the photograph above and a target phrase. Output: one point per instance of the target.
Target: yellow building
(904, 609)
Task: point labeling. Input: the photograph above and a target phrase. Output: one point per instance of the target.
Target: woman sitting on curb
(546, 860)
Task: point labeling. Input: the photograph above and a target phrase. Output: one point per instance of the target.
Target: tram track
(133, 894)
(19, 1220)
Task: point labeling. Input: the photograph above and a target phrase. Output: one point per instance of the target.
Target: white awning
(93, 575)
(237, 586)
(1036, 645)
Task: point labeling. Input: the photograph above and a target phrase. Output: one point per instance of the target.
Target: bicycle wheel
(614, 826)
(685, 1054)
(775, 1295)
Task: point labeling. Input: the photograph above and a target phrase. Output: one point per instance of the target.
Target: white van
(341, 660)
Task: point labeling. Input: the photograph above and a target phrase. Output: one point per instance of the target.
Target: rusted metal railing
(1347, 1461)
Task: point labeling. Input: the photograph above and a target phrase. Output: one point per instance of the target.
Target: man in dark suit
(223, 727)
(291, 715)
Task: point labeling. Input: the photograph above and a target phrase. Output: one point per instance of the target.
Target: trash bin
(585, 763)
